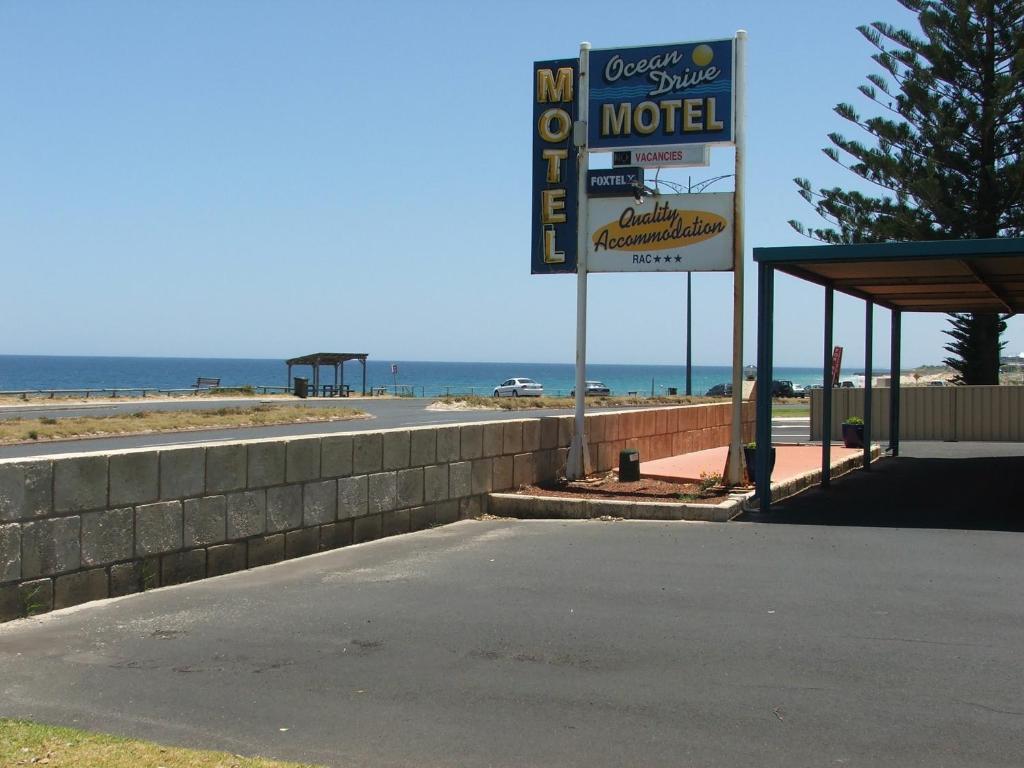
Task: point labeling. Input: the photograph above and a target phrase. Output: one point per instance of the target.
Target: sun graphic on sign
(702, 55)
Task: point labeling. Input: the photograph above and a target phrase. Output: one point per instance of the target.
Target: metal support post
(826, 392)
(734, 471)
(689, 334)
(869, 328)
(578, 462)
(894, 384)
(765, 333)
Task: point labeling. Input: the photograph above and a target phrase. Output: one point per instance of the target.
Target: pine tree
(947, 156)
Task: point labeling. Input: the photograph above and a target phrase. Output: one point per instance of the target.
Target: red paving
(790, 461)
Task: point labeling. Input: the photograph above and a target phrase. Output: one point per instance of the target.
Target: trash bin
(301, 387)
(629, 465)
(673, 391)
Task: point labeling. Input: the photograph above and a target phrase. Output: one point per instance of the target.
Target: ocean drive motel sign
(652, 102)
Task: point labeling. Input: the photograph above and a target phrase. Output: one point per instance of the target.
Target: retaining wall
(82, 527)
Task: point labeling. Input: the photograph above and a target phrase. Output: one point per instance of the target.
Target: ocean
(425, 378)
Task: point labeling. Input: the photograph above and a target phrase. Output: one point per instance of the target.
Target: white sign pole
(734, 472)
(578, 463)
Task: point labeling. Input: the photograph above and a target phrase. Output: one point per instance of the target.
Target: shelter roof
(327, 358)
(980, 275)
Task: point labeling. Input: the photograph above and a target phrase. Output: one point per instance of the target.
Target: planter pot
(750, 456)
(853, 435)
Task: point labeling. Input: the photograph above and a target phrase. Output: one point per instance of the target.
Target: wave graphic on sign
(661, 229)
(635, 91)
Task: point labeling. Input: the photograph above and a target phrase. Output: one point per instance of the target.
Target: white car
(518, 388)
(592, 388)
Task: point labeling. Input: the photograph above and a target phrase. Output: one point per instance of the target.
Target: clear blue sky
(266, 179)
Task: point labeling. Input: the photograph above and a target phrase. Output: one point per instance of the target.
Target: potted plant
(853, 432)
(750, 457)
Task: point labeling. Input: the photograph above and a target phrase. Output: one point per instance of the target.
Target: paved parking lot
(512, 643)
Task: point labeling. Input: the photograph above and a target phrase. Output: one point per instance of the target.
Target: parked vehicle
(519, 387)
(719, 390)
(782, 389)
(592, 388)
(799, 390)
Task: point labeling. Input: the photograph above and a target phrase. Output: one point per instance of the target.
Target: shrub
(855, 421)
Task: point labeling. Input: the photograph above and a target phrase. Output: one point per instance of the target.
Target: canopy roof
(922, 276)
(327, 358)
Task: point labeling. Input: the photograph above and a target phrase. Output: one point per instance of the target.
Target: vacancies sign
(661, 95)
(555, 182)
(665, 233)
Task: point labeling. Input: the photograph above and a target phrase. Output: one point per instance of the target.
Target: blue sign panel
(661, 94)
(615, 182)
(555, 182)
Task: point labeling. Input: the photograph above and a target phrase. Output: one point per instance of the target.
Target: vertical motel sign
(555, 181)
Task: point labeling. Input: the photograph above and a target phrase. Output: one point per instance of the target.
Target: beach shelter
(335, 360)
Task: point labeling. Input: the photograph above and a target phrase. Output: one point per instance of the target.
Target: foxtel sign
(661, 95)
(555, 179)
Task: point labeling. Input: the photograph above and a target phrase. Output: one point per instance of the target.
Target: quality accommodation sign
(665, 233)
(662, 95)
(555, 182)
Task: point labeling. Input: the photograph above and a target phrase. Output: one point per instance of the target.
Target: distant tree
(948, 156)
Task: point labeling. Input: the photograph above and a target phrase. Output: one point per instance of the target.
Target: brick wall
(82, 527)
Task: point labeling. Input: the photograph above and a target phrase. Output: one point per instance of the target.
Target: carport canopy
(979, 275)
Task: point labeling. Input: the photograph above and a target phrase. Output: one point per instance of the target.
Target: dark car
(782, 389)
(720, 390)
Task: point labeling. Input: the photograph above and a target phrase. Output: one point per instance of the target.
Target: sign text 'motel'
(555, 182)
(661, 95)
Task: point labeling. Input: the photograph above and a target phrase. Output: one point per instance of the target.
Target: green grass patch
(31, 744)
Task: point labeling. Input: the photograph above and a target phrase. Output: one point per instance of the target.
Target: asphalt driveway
(514, 643)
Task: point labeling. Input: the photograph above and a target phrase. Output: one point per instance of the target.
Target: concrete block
(182, 567)
(134, 478)
(10, 603)
(594, 428)
(303, 459)
(423, 447)
(542, 466)
(225, 468)
(125, 578)
(610, 508)
(481, 479)
(394, 522)
(468, 508)
(10, 552)
(266, 550)
(513, 437)
(493, 438)
(81, 587)
(158, 528)
(524, 472)
(265, 464)
(548, 432)
(182, 473)
(460, 479)
(225, 558)
(471, 439)
(319, 502)
(50, 546)
(396, 450)
(353, 493)
(410, 487)
(383, 491)
(305, 541)
(336, 456)
(660, 421)
(108, 536)
(334, 535)
(420, 518)
(367, 453)
(26, 490)
(501, 473)
(284, 507)
(205, 521)
(565, 428)
(435, 483)
(531, 435)
(36, 596)
(448, 444)
(247, 514)
(80, 483)
(366, 528)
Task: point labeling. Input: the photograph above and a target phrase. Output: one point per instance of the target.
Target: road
(386, 414)
(568, 643)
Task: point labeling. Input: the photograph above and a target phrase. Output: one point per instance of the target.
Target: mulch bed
(609, 487)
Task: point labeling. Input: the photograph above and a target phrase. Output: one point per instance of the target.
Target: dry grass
(29, 744)
(527, 403)
(146, 422)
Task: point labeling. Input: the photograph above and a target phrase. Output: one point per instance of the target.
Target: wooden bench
(205, 382)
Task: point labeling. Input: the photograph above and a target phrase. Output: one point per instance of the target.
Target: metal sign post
(734, 471)
(578, 462)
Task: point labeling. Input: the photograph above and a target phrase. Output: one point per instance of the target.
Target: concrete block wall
(82, 527)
